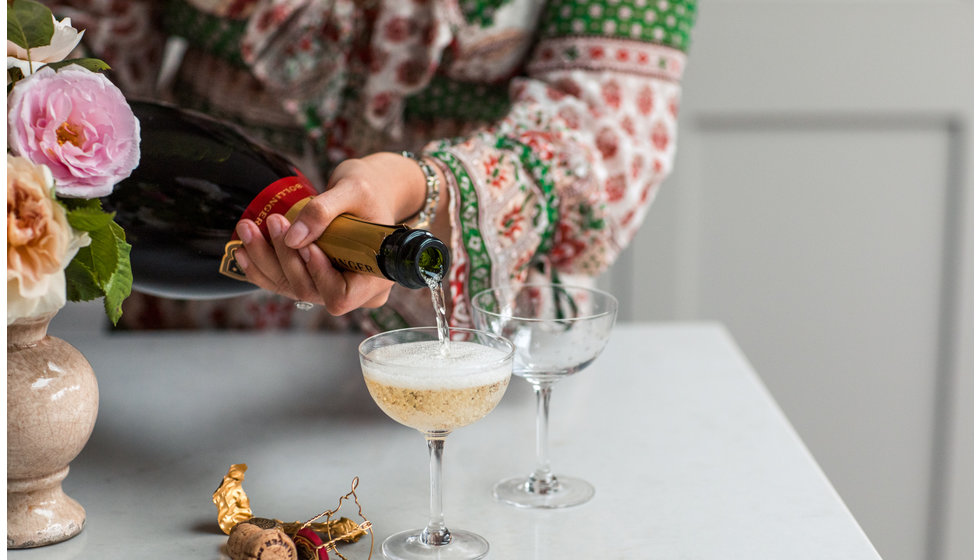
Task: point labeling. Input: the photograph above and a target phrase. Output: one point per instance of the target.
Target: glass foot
(407, 545)
(569, 492)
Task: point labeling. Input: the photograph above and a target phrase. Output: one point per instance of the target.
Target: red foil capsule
(307, 541)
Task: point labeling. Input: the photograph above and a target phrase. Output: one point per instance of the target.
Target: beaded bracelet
(428, 211)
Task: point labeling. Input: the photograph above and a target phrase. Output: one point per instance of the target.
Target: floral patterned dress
(555, 121)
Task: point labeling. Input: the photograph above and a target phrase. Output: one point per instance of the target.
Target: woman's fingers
(291, 263)
(305, 274)
(344, 291)
(259, 260)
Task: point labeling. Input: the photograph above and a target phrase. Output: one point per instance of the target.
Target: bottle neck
(414, 258)
(410, 257)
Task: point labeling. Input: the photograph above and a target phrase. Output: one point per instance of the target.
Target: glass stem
(543, 481)
(435, 533)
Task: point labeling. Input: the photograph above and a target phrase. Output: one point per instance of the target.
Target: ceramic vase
(52, 402)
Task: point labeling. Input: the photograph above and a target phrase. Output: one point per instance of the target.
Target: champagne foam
(421, 365)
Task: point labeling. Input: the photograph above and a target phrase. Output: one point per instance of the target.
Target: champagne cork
(260, 539)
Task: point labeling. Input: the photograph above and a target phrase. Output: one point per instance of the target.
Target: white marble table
(691, 457)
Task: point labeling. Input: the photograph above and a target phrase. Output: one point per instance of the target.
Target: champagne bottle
(198, 177)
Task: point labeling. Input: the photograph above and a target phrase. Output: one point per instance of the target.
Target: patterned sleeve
(562, 183)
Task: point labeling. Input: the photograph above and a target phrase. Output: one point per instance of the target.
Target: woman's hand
(386, 188)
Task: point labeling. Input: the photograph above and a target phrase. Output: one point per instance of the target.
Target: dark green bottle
(198, 177)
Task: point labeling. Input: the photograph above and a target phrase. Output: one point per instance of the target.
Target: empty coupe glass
(557, 331)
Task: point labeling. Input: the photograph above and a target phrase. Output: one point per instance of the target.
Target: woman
(548, 125)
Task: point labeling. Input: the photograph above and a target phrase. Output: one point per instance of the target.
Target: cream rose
(64, 40)
(40, 243)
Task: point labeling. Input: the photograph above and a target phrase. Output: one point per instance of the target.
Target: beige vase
(52, 402)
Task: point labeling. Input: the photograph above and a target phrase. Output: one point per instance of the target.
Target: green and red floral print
(555, 120)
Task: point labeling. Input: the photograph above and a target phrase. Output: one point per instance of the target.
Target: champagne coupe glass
(557, 331)
(436, 384)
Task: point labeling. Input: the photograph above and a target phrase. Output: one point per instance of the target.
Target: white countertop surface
(690, 455)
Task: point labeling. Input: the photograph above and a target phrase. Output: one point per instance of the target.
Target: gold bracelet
(428, 211)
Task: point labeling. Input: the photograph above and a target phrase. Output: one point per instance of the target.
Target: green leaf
(29, 24)
(81, 203)
(89, 219)
(105, 254)
(120, 283)
(102, 270)
(80, 279)
(118, 231)
(92, 64)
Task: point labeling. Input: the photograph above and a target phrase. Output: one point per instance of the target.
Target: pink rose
(78, 124)
(40, 243)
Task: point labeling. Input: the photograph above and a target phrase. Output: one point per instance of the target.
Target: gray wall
(821, 208)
